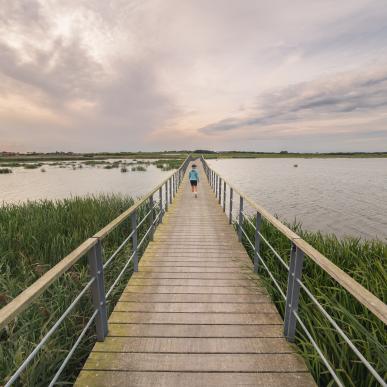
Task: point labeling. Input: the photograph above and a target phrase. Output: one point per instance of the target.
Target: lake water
(340, 196)
(58, 183)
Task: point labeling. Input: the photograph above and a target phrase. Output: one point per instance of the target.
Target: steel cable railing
(92, 247)
(294, 283)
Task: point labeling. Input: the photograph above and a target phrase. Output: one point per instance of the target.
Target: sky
(88, 76)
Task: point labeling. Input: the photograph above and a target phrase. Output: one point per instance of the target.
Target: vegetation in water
(139, 168)
(365, 261)
(5, 170)
(33, 166)
(34, 237)
(168, 165)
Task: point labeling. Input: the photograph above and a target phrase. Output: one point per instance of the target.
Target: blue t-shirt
(193, 175)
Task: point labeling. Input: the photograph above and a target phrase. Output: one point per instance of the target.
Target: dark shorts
(194, 183)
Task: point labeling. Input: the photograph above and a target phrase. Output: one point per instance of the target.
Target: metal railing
(93, 248)
(299, 250)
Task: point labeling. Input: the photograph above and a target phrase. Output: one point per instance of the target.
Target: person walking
(194, 179)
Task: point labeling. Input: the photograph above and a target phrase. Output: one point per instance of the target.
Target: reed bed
(168, 164)
(5, 170)
(366, 262)
(34, 237)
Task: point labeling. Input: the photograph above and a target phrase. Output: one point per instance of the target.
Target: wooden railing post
(161, 204)
(224, 196)
(94, 257)
(166, 196)
(230, 207)
(133, 219)
(170, 190)
(240, 223)
(151, 217)
(220, 190)
(258, 220)
(293, 292)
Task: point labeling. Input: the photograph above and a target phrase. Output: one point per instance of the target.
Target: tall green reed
(34, 237)
(365, 261)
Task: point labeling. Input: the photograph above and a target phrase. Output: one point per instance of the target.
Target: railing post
(133, 219)
(98, 290)
(216, 185)
(161, 204)
(224, 197)
(151, 217)
(220, 190)
(170, 190)
(230, 209)
(258, 220)
(166, 196)
(240, 223)
(293, 292)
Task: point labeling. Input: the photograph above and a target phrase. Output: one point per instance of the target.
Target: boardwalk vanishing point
(195, 314)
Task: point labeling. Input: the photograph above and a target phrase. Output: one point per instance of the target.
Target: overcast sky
(301, 75)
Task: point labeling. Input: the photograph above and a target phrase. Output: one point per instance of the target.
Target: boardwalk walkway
(194, 314)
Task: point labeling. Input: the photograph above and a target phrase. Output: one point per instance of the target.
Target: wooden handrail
(359, 292)
(25, 298)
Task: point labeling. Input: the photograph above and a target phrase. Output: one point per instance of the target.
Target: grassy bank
(366, 262)
(34, 237)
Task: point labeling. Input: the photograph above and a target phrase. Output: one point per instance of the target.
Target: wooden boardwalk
(195, 313)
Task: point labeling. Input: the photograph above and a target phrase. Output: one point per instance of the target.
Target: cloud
(329, 98)
(146, 74)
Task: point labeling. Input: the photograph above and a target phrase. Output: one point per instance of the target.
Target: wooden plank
(201, 298)
(197, 330)
(190, 362)
(194, 318)
(191, 282)
(195, 307)
(200, 275)
(192, 379)
(203, 264)
(193, 345)
(190, 269)
(193, 289)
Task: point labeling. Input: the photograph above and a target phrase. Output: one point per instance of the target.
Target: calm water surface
(341, 196)
(58, 183)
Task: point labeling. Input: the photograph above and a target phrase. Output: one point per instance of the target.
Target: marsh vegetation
(34, 237)
(365, 261)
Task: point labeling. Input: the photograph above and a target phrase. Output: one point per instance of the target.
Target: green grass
(34, 237)
(366, 262)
